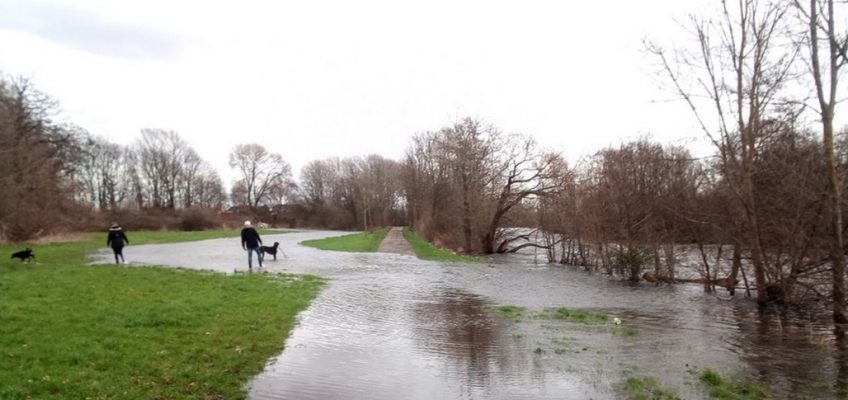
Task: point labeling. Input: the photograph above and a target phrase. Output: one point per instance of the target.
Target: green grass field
(363, 242)
(69, 330)
(428, 251)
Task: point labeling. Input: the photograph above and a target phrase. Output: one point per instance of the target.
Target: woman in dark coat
(116, 240)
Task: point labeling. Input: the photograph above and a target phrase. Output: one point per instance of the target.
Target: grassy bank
(428, 251)
(363, 242)
(70, 330)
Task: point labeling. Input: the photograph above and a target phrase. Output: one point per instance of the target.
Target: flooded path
(394, 242)
(390, 326)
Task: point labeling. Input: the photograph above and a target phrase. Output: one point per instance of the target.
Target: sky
(317, 79)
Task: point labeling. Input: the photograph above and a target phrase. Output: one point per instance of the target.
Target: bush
(146, 220)
(629, 260)
(197, 219)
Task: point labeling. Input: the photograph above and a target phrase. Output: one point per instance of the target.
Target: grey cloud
(87, 31)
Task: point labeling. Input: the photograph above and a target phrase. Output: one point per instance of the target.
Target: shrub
(197, 219)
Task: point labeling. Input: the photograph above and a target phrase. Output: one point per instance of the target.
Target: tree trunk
(488, 240)
(827, 107)
(837, 252)
(466, 213)
(734, 269)
(753, 228)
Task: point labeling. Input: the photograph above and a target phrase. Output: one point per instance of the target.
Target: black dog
(24, 255)
(272, 250)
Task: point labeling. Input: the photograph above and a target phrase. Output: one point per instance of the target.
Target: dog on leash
(24, 255)
(272, 250)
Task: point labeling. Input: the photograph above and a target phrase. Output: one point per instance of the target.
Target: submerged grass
(363, 242)
(642, 388)
(511, 312)
(587, 317)
(596, 320)
(578, 316)
(428, 251)
(719, 387)
(72, 330)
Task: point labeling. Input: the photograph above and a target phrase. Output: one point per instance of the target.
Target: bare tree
(191, 168)
(351, 192)
(468, 146)
(741, 74)
(522, 172)
(825, 71)
(316, 178)
(376, 187)
(161, 159)
(32, 160)
(207, 189)
(466, 182)
(426, 185)
(102, 173)
(261, 172)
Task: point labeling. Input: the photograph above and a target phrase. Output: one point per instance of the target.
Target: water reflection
(454, 326)
(783, 349)
(841, 362)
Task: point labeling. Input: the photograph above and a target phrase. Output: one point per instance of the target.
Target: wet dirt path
(391, 326)
(394, 242)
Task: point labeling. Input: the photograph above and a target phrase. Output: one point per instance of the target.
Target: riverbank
(73, 330)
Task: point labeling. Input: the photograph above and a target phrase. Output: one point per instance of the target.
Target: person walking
(251, 241)
(116, 240)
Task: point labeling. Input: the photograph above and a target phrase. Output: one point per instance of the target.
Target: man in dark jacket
(116, 240)
(251, 241)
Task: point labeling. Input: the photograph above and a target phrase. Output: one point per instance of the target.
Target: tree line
(763, 212)
(54, 174)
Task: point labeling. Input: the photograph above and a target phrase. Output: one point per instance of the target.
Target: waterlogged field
(393, 326)
(73, 330)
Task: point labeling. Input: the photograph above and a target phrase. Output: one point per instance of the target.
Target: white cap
(246, 223)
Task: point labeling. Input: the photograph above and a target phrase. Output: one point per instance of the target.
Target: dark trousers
(119, 252)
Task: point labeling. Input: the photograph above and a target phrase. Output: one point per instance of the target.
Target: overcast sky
(314, 79)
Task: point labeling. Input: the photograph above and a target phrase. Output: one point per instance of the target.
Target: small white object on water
(616, 321)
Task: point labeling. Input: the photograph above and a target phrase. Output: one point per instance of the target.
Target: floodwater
(391, 326)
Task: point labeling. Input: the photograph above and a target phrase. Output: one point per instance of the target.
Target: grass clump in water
(719, 387)
(511, 312)
(363, 242)
(73, 330)
(578, 316)
(428, 251)
(647, 389)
